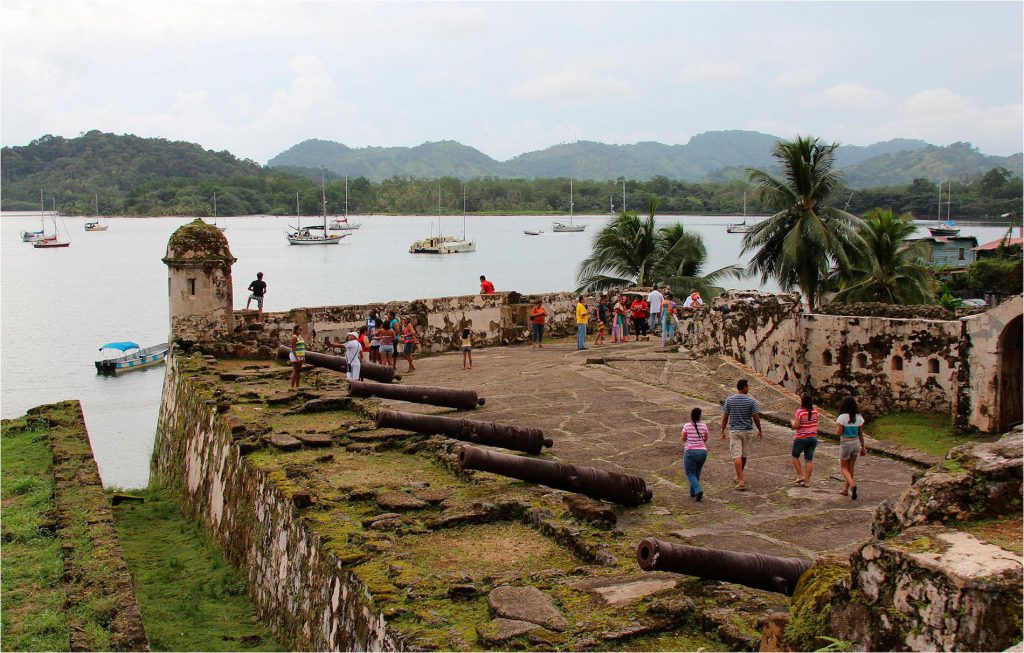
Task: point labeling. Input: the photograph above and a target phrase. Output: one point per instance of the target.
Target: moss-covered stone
(811, 604)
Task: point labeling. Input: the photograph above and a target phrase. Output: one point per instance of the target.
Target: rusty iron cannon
(755, 570)
(373, 371)
(420, 394)
(624, 489)
(506, 436)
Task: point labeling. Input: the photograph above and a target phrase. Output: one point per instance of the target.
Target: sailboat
(314, 235)
(96, 225)
(947, 228)
(343, 224)
(35, 236)
(561, 227)
(54, 241)
(741, 227)
(445, 244)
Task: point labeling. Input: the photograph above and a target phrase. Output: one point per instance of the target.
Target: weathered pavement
(626, 414)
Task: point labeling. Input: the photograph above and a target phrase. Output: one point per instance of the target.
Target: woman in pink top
(805, 439)
(695, 452)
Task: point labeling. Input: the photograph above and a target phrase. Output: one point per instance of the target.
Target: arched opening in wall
(897, 363)
(862, 361)
(933, 365)
(826, 358)
(1010, 387)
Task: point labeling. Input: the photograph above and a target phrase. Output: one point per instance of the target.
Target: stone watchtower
(199, 283)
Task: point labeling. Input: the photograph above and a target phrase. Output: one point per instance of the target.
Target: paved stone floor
(625, 414)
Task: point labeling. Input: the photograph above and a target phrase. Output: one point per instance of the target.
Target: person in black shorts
(258, 288)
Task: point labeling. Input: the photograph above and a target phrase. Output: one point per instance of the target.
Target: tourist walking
(695, 452)
(805, 439)
(297, 355)
(638, 311)
(655, 299)
(486, 287)
(386, 337)
(538, 316)
(582, 316)
(851, 443)
(668, 319)
(467, 349)
(409, 342)
(258, 289)
(740, 414)
(353, 356)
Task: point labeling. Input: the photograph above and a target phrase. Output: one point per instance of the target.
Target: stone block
(589, 510)
(526, 604)
(398, 501)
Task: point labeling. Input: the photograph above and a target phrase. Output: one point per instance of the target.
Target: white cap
(353, 334)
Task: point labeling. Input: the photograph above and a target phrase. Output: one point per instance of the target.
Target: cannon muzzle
(506, 436)
(624, 489)
(372, 371)
(755, 570)
(420, 394)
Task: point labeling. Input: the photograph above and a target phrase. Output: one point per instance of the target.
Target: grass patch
(1001, 532)
(33, 618)
(928, 432)
(190, 596)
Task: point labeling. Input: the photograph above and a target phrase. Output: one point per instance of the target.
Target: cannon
(367, 370)
(755, 570)
(624, 489)
(506, 436)
(420, 394)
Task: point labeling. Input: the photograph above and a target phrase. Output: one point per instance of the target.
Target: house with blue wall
(950, 252)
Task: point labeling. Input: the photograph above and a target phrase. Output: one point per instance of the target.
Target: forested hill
(106, 164)
(711, 156)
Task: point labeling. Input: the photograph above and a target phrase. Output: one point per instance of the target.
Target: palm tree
(805, 237)
(888, 269)
(634, 251)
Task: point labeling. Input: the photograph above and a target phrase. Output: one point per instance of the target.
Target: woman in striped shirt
(695, 452)
(805, 439)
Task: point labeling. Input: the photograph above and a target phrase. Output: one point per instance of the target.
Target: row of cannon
(771, 573)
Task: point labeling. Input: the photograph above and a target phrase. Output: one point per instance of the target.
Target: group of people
(656, 313)
(740, 418)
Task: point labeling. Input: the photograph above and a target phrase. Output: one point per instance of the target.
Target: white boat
(36, 236)
(96, 225)
(314, 235)
(561, 227)
(343, 223)
(741, 227)
(131, 358)
(52, 241)
(445, 244)
(947, 228)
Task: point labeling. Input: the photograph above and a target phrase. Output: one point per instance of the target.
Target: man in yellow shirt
(582, 315)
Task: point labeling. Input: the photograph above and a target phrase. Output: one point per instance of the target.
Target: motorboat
(561, 227)
(131, 357)
(445, 244)
(532, 233)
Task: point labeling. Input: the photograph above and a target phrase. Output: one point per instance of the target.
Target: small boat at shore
(132, 357)
(532, 233)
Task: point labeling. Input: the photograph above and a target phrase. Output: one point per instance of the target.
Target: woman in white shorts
(851, 443)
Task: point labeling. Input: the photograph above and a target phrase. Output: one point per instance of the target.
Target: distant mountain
(711, 156)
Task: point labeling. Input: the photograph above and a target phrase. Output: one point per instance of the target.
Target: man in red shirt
(638, 311)
(486, 287)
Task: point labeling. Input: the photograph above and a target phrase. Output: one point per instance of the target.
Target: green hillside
(957, 161)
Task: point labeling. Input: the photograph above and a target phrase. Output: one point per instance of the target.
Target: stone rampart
(303, 591)
(961, 366)
(497, 319)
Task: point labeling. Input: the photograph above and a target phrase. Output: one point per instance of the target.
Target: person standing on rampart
(740, 414)
(258, 288)
(538, 317)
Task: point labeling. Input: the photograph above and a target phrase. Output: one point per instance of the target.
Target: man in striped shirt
(740, 414)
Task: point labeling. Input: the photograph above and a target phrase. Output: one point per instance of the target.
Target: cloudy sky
(257, 77)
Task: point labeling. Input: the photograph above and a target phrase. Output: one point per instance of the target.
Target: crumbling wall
(299, 587)
(979, 395)
(497, 319)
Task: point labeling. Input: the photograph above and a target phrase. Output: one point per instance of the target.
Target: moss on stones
(811, 604)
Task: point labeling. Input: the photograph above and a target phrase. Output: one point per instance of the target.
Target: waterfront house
(1010, 247)
(950, 252)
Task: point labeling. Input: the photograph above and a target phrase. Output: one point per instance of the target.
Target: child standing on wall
(467, 349)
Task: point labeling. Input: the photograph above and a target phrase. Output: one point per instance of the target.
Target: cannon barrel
(624, 489)
(506, 436)
(756, 570)
(420, 394)
(367, 370)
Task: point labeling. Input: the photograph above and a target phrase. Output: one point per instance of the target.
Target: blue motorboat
(131, 357)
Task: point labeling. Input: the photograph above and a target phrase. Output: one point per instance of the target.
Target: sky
(257, 77)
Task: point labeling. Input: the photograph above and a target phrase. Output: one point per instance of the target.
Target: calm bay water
(58, 306)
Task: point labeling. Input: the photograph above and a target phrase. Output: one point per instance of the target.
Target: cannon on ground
(373, 371)
(420, 394)
(755, 570)
(624, 489)
(506, 436)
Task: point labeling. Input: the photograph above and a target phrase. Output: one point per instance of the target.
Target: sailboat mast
(745, 207)
(463, 211)
(949, 200)
(215, 208)
(346, 199)
(42, 211)
(96, 204)
(323, 197)
(623, 195)
(938, 207)
(439, 210)
(570, 201)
